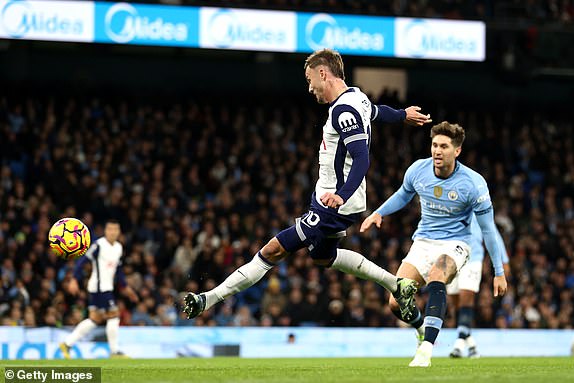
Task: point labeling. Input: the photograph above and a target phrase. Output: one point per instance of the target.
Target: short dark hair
(454, 131)
(113, 221)
(328, 57)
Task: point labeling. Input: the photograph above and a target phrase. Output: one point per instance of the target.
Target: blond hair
(328, 57)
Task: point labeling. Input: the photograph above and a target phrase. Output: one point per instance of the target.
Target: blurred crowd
(500, 10)
(199, 186)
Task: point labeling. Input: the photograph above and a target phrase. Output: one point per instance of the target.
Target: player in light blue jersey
(340, 192)
(449, 194)
(463, 289)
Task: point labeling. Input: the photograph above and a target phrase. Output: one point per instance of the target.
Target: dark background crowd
(203, 156)
(201, 184)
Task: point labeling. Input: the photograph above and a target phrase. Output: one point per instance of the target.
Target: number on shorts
(311, 219)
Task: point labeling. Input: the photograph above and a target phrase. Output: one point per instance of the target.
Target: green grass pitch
(360, 370)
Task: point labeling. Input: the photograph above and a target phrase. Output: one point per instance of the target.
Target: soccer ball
(69, 238)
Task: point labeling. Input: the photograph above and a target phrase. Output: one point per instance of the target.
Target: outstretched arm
(495, 247)
(395, 203)
(410, 115)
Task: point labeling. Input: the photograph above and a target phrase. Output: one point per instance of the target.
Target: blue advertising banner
(124, 23)
(241, 29)
(273, 342)
(356, 35)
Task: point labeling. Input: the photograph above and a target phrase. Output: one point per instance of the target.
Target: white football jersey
(105, 258)
(349, 120)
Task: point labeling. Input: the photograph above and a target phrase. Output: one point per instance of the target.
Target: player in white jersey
(340, 193)
(464, 288)
(105, 255)
(449, 194)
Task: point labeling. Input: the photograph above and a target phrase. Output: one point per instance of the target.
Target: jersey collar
(456, 166)
(350, 89)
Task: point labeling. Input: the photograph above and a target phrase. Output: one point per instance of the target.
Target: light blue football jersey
(447, 205)
(476, 243)
(476, 238)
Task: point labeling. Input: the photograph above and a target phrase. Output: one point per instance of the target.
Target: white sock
(354, 263)
(81, 330)
(242, 278)
(459, 344)
(426, 347)
(470, 342)
(112, 329)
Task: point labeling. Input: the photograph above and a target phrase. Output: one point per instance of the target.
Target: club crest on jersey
(437, 191)
(347, 122)
(452, 195)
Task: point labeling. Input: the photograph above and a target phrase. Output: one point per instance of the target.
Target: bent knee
(96, 317)
(273, 251)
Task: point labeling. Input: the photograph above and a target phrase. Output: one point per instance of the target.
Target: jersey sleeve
(480, 197)
(92, 252)
(384, 113)
(402, 196)
(348, 123)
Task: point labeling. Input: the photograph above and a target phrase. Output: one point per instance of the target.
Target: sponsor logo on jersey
(347, 122)
(439, 207)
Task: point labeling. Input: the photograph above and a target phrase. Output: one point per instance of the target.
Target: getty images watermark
(53, 374)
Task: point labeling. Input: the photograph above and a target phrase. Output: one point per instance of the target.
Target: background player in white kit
(449, 194)
(105, 255)
(463, 290)
(340, 192)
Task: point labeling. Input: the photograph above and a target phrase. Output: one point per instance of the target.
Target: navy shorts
(102, 301)
(317, 230)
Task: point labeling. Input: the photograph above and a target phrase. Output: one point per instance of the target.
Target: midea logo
(421, 40)
(124, 24)
(20, 18)
(323, 31)
(226, 28)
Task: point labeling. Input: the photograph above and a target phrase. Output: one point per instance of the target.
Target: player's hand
(375, 218)
(500, 285)
(73, 288)
(332, 200)
(414, 117)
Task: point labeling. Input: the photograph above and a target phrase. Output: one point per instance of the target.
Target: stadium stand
(199, 184)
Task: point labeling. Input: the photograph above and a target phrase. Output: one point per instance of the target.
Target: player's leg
(351, 262)
(415, 266)
(83, 328)
(286, 242)
(241, 279)
(453, 292)
(409, 313)
(452, 257)
(468, 284)
(324, 232)
(113, 326)
(466, 317)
